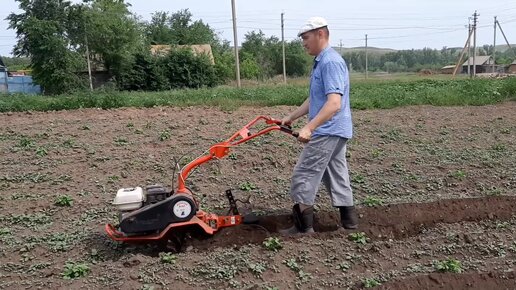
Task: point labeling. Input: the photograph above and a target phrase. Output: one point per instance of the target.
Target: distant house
(448, 69)
(512, 68)
(197, 49)
(483, 64)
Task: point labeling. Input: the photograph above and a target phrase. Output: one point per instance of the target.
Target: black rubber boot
(348, 217)
(303, 221)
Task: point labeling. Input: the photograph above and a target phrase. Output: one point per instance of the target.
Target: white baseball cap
(312, 24)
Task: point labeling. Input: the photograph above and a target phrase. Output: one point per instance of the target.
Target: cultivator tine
(232, 203)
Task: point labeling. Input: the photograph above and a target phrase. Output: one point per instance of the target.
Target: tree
(265, 51)
(41, 30)
(112, 33)
(224, 61)
(178, 28)
(249, 68)
(158, 31)
(16, 63)
(297, 61)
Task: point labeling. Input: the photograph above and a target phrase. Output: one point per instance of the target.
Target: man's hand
(287, 121)
(305, 134)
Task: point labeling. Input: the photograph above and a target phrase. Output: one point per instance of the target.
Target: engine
(151, 209)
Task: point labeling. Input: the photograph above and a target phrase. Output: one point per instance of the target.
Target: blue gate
(3, 82)
(22, 84)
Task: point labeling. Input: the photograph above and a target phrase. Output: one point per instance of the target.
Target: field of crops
(435, 187)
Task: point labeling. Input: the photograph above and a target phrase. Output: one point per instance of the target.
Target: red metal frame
(221, 149)
(209, 222)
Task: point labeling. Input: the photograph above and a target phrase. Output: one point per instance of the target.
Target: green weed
(63, 200)
(26, 143)
(459, 174)
(75, 270)
(273, 244)
(247, 186)
(167, 258)
(41, 151)
(257, 269)
(358, 178)
(164, 135)
(69, 143)
(28, 220)
(370, 283)
(359, 238)
(292, 264)
(372, 201)
(120, 141)
(449, 265)
(499, 147)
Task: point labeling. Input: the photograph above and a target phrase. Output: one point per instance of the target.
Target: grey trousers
(323, 158)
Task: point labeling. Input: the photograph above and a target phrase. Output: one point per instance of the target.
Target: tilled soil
(395, 221)
(431, 185)
(499, 281)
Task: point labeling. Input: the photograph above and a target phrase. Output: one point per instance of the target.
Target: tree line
(55, 36)
(417, 59)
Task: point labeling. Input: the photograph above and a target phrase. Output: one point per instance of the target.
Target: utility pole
(88, 59)
(340, 49)
(475, 15)
(469, 47)
(494, 46)
(501, 30)
(462, 53)
(366, 56)
(235, 41)
(283, 48)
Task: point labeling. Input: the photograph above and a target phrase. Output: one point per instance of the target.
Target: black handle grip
(288, 129)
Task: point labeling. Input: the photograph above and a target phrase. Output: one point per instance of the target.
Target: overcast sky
(398, 24)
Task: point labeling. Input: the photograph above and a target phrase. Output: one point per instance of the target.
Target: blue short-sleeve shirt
(330, 75)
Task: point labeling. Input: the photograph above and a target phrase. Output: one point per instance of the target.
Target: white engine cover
(128, 199)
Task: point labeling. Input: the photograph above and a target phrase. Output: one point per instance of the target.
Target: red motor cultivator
(155, 214)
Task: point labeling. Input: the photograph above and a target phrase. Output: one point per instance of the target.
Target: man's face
(311, 42)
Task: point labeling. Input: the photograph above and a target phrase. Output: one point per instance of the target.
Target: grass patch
(364, 95)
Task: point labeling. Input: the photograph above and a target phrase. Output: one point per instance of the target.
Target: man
(326, 133)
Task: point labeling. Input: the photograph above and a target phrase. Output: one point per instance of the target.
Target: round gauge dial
(182, 209)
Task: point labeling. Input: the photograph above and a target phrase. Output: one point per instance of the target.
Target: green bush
(224, 63)
(508, 88)
(249, 69)
(186, 70)
(146, 73)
